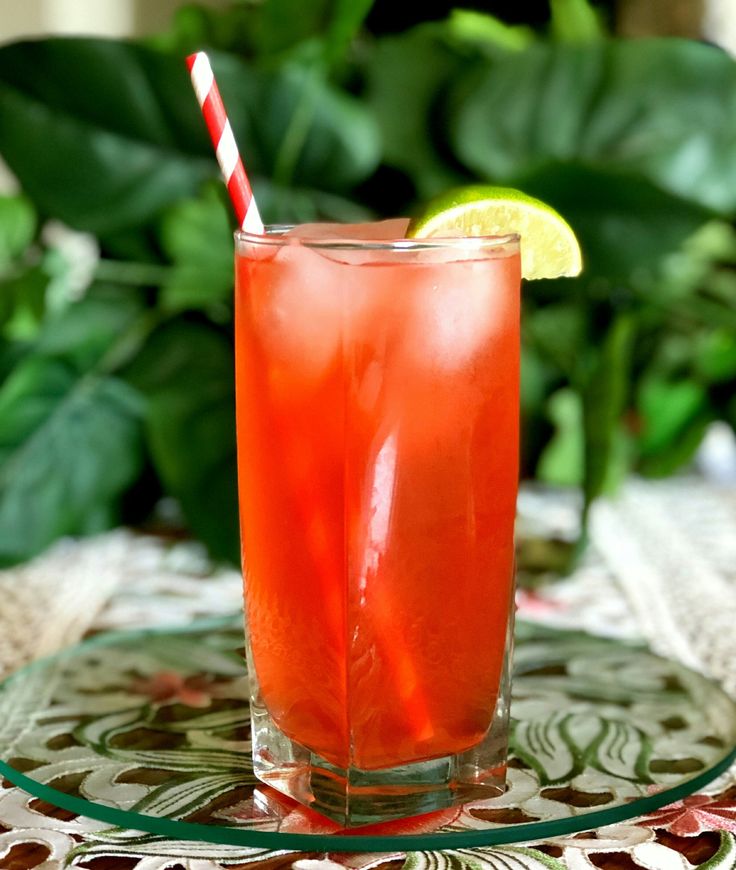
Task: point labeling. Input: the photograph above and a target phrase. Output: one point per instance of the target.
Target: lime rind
(549, 248)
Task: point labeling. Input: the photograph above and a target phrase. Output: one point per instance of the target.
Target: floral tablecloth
(661, 565)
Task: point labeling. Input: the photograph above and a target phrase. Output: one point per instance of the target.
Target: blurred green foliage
(116, 385)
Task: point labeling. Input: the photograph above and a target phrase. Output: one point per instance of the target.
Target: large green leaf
(406, 76)
(293, 205)
(84, 332)
(186, 373)
(105, 134)
(101, 134)
(309, 132)
(269, 31)
(623, 221)
(662, 108)
(665, 109)
(69, 446)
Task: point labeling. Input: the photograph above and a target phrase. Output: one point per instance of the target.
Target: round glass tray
(149, 731)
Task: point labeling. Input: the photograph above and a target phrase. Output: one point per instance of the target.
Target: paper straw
(221, 133)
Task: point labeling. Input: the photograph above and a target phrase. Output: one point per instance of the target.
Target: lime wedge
(549, 248)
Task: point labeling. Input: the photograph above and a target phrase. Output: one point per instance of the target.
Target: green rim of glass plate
(273, 840)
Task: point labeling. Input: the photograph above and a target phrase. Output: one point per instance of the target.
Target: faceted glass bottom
(354, 797)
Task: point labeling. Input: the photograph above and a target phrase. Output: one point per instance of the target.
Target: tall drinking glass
(377, 415)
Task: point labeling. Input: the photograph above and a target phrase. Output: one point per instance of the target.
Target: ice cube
(377, 231)
(297, 309)
(458, 308)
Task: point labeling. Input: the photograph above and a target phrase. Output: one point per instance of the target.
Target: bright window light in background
(107, 18)
(103, 17)
(719, 24)
(35, 18)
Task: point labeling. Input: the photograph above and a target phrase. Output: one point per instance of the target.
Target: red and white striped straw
(221, 133)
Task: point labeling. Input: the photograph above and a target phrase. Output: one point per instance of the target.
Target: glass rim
(275, 237)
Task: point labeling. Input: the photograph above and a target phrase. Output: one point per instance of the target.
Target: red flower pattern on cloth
(694, 815)
(168, 687)
(532, 604)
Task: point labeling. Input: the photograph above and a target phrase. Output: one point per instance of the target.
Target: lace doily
(661, 564)
(115, 580)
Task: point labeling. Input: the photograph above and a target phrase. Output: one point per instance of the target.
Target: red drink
(378, 455)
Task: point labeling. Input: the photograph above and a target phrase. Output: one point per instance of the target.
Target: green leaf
(101, 134)
(665, 109)
(485, 30)
(197, 236)
(574, 21)
(674, 416)
(292, 205)
(193, 27)
(85, 330)
(605, 207)
(666, 407)
(17, 227)
(23, 302)
(295, 127)
(310, 133)
(715, 356)
(283, 25)
(561, 462)
(104, 135)
(604, 399)
(405, 76)
(346, 18)
(186, 373)
(535, 377)
(557, 331)
(68, 444)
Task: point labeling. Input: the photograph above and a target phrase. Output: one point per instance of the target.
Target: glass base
(354, 797)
